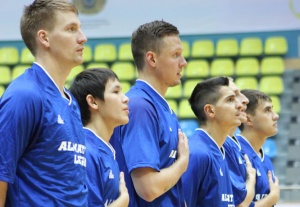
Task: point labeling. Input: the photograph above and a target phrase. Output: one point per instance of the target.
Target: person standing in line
(207, 181)
(103, 106)
(242, 175)
(261, 124)
(152, 150)
(43, 155)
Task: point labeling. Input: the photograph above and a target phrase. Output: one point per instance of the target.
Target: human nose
(82, 38)
(183, 63)
(125, 99)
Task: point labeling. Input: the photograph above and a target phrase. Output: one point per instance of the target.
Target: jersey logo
(170, 129)
(111, 175)
(221, 173)
(173, 154)
(60, 120)
(258, 173)
(240, 161)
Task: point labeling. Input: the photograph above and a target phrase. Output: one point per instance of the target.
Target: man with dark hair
(261, 123)
(103, 107)
(207, 180)
(43, 161)
(151, 149)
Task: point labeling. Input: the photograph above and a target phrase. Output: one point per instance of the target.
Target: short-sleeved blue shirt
(43, 153)
(207, 181)
(102, 171)
(262, 165)
(149, 140)
(237, 167)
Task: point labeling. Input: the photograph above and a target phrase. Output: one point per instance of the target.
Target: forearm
(3, 190)
(250, 186)
(121, 201)
(267, 201)
(150, 184)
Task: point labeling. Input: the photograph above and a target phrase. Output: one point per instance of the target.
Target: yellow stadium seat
(26, 56)
(18, 70)
(125, 86)
(124, 52)
(197, 68)
(202, 49)
(96, 65)
(76, 70)
(173, 104)
(184, 110)
(246, 83)
(174, 92)
(251, 46)
(124, 70)
(87, 54)
(272, 66)
(105, 53)
(276, 104)
(9, 55)
(5, 76)
(189, 86)
(276, 45)
(227, 47)
(2, 89)
(247, 66)
(271, 85)
(222, 67)
(186, 49)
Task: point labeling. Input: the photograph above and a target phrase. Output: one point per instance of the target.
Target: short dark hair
(206, 92)
(255, 98)
(93, 82)
(41, 15)
(148, 37)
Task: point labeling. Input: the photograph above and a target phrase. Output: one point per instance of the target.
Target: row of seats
(202, 48)
(195, 68)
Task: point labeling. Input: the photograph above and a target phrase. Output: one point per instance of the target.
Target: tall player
(43, 154)
(261, 123)
(151, 150)
(103, 106)
(207, 180)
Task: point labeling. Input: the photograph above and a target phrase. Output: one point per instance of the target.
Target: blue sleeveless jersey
(149, 140)
(207, 181)
(44, 155)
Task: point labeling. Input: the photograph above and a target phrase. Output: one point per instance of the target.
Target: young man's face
(240, 97)
(264, 121)
(228, 108)
(170, 61)
(114, 109)
(66, 39)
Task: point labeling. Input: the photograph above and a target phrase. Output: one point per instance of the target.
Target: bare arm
(123, 199)
(3, 190)
(150, 184)
(274, 195)
(250, 183)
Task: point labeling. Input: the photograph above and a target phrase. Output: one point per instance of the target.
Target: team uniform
(237, 168)
(102, 171)
(43, 146)
(262, 165)
(207, 181)
(149, 140)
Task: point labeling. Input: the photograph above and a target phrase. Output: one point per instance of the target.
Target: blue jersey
(262, 165)
(237, 168)
(102, 171)
(207, 181)
(44, 155)
(149, 140)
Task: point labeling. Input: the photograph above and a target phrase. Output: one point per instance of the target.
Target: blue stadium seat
(270, 148)
(188, 126)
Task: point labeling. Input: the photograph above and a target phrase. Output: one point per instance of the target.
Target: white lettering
(227, 197)
(260, 196)
(72, 147)
(80, 160)
(63, 146)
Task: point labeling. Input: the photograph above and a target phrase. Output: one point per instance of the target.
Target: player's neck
(219, 134)
(254, 139)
